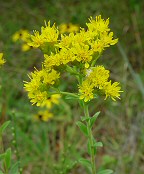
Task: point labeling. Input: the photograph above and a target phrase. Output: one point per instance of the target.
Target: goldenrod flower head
(48, 35)
(43, 115)
(21, 35)
(53, 99)
(68, 28)
(25, 47)
(98, 76)
(83, 54)
(2, 61)
(98, 25)
(112, 90)
(66, 41)
(86, 91)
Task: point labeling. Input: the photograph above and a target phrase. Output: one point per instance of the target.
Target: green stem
(65, 93)
(90, 137)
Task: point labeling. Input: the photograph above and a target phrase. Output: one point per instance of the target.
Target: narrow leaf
(4, 126)
(82, 127)
(98, 144)
(8, 158)
(15, 168)
(85, 162)
(93, 119)
(105, 171)
(83, 118)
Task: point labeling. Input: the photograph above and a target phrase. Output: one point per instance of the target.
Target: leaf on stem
(8, 158)
(4, 126)
(105, 171)
(85, 162)
(82, 127)
(93, 119)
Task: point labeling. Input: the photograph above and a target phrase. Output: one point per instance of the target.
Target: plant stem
(90, 137)
(64, 93)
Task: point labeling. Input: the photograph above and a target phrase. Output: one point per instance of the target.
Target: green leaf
(4, 126)
(82, 127)
(85, 162)
(98, 144)
(105, 171)
(93, 119)
(83, 118)
(8, 158)
(15, 168)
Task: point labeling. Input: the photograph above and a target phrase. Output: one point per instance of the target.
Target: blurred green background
(45, 148)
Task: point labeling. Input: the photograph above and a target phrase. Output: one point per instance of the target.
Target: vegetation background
(49, 147)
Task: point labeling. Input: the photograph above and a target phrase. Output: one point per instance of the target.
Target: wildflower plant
(75, 53)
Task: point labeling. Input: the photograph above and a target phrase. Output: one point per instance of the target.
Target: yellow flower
(15, 36)
(83, 54)
(43, 116)
(66, 41)
(2, 61)
(39, 84)
(86, 91)
(98, 25)
(53, 99)
(112, 90)
(68, 28)
(48, 35)
(21, 35)
(25, 47)
(98, 76)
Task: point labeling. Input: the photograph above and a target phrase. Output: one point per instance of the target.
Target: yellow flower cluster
(23, 36)
(68, 28)
(75, 52)
(97, 78)
(48, 35)
(39, 85)
(2, 61)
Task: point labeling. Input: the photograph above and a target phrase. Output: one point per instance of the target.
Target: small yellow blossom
(21, 35)
(98, 25)
(83, 54)
(48, 35)
(53, 99)
(98, 76)
(86, 91)
(43, 116)
(25, 47)
(112, 90)
(2, 61)
(68, 28)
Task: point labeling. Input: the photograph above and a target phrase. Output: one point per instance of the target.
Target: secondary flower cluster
(2, 61)
(97, 77)
(76, 53)
(22, 36)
